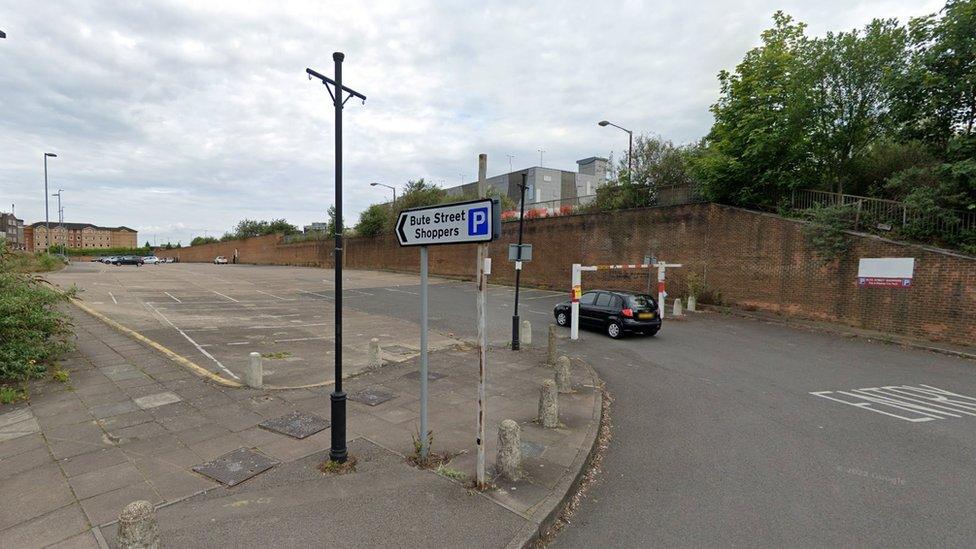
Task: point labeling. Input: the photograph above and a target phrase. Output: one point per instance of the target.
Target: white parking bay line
(315, 294)
(272, 295)
(195, 344)
(227, 296)
(401, 291)
(171, 296)
(116, 301)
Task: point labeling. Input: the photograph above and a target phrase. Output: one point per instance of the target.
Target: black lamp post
(518, 266)
(47, 216)
(338, 452)
(630, 150)
(392, 188)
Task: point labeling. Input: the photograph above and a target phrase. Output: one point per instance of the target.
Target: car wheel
(614, 330)
(562, 318)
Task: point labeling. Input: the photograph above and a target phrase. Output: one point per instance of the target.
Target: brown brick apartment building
(81, 235)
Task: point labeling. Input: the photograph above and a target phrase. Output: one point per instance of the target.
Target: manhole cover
(532, 449)
(296, 424)
(236, 467)
(431, 376)
(371, 397)
(399, 349)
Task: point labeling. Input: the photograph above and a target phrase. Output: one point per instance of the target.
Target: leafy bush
(33, 331)
(826, 231)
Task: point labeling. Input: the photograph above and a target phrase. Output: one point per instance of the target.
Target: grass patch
(330, 467)
(277, 356)
(60, 375)
(9, 395)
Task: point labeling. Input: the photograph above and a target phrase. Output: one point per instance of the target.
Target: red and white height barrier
(577, 289)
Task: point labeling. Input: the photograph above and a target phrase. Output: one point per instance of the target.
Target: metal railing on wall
(889, 214)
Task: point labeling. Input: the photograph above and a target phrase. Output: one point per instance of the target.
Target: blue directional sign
(458, 223)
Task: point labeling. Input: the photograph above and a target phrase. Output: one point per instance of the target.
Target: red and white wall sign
(886, 272)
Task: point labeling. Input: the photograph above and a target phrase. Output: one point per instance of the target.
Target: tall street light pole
(338, 452)
(630, 149)
(388, 187)
(518, 265)
(60, 215)
(47, 216)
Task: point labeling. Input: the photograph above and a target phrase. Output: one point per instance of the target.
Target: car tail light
(629, 313)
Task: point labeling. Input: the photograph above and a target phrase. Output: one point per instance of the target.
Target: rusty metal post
(482, 331)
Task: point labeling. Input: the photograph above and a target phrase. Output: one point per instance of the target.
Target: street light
(60, 216)
(630, 150)
(388, 187)
(47, 217)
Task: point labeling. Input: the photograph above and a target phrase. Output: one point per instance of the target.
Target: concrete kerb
(547, 512)
(187, 363)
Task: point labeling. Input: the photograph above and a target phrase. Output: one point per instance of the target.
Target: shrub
(826, 231)
(33, 331)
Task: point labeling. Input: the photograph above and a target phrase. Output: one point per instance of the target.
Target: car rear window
(640, 302)
(603, 300)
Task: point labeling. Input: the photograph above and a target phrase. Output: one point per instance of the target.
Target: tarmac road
(730, 431)
(719, 441)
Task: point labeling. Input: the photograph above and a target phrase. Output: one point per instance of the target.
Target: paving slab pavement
(131, 424)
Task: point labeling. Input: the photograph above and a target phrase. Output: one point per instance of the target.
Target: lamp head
(373, 184)
(52, 155)
(604, 123)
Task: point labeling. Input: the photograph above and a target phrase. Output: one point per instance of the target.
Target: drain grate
(371, 397)
(235, 467)
(296, 424)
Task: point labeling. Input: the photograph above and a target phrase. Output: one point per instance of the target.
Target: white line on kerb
(272, 295)
(116, 301)
(195, 344)
(227, 296)
(174, 298)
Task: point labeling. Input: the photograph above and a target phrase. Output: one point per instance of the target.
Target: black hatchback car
(614, 312)
(128, 260)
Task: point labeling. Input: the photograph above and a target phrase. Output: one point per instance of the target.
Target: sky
(179, 118)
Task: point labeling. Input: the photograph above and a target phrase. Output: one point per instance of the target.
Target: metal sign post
(661, 293)
(338, 452)
(477, 221)
(518, 266)
(482, 271)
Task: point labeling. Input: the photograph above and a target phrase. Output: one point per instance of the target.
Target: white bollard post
(254, 374)
(508, 461)
(548, 404)
(564, 383)
(577, 282)
(677, 306)
(692, 303)
(525, 337)
(138, 528)
(374, 360)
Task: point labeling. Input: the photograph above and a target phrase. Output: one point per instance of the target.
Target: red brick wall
(752, 260)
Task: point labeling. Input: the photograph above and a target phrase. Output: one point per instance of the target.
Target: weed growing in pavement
(335, 468)
(9, 395)
(60, 375)
(450, 473)
(277, 356)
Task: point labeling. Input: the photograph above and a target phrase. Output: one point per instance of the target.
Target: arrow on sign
(400, 224)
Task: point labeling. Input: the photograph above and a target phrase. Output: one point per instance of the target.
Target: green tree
(198, 240)
(757, 149)
(330, 227)
(280, 226)
(936, 98)
(373, 220)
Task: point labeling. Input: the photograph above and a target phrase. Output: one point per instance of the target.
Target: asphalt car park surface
(726, 431)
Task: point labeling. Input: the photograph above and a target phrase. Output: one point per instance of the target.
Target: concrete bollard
(374, 360)
(692, 303)
(677, 307)
(564, 383)
(548, 404)
(525, 335)
(508, 462)
(551, 357)
(137, 526)
(254, 374)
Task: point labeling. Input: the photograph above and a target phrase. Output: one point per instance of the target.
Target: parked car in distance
(220, 260)
(128, 260)
(107, 259)
(168, 260)
(614, 312)
(151, 260)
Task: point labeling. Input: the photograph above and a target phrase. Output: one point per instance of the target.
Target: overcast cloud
(183, 116)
